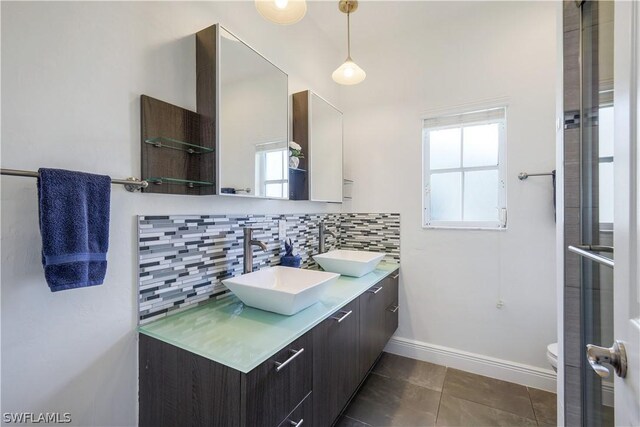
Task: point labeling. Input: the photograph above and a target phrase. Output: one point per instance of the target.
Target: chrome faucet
(249, 243)
(322, 230)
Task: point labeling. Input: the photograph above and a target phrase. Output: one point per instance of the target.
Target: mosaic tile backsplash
(182, 259)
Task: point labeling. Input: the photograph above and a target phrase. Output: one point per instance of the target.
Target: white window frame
(501, 222)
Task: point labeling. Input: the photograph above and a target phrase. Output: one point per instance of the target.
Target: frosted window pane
(444, 148)
(446, 189)
(481, 196)
(273, 165)
(606, 192)
(605, 132)
(481, 145)
(273, 190)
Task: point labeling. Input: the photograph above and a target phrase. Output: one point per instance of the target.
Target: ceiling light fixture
(348, 73)
(282, 12)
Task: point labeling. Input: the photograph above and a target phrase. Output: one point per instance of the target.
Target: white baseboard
(531, 376)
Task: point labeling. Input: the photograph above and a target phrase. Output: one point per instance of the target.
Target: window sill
(471, 228)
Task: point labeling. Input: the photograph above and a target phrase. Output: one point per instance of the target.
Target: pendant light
(282, 12)
(348, 73)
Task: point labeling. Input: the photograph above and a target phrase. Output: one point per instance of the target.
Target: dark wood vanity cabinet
(310, 380)
(335, 363)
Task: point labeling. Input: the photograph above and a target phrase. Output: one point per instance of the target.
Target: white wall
(71, 79)
(451, 279)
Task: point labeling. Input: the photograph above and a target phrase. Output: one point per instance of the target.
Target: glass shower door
(596, 202)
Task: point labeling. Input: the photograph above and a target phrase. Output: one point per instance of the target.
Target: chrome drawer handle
(296, 353)
(394, 309)
(346, 314)
(396, 276)
(297, 424)
(375, 291)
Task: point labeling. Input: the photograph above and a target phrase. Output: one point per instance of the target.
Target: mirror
(317, 129)
(325, 151)
(253, 122)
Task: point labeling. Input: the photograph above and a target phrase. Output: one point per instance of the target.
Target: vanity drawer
(276, 387)
(302, 415)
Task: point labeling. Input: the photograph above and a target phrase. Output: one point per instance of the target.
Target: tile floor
(406, 392)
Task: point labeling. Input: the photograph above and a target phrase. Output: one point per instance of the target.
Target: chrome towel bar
(130, 184)
(524, 175)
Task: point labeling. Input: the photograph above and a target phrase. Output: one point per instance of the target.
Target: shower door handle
(588, 251)
(616, 356)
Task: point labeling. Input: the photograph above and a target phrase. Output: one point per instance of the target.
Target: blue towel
(74, 224)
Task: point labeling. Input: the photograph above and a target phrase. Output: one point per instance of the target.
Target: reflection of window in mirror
(272, 173)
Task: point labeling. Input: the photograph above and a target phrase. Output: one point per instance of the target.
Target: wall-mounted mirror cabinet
(237, 141)
(248, 95)
(317, 128)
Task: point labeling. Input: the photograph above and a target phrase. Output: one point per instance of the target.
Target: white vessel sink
(282, 290)
(349, 263)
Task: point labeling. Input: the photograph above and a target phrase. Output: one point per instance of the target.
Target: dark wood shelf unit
(160, 119)
(206, 91)
(300, 126)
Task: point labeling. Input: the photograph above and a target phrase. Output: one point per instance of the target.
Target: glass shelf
(176, 181)
(174, 144)
(298, 169)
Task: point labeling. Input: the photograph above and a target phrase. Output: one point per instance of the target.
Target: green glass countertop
(233, 334)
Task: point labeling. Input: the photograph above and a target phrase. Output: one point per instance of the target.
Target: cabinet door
(274, 389)
(179, 388)
(391, 302)
(335, 363)
(372, 326)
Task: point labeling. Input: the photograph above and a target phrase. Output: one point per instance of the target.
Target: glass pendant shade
(282, 12)
(349, 73)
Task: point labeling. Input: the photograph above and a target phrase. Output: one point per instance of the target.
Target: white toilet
(552, 355)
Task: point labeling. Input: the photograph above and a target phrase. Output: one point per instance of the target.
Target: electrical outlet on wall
(282, 229)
